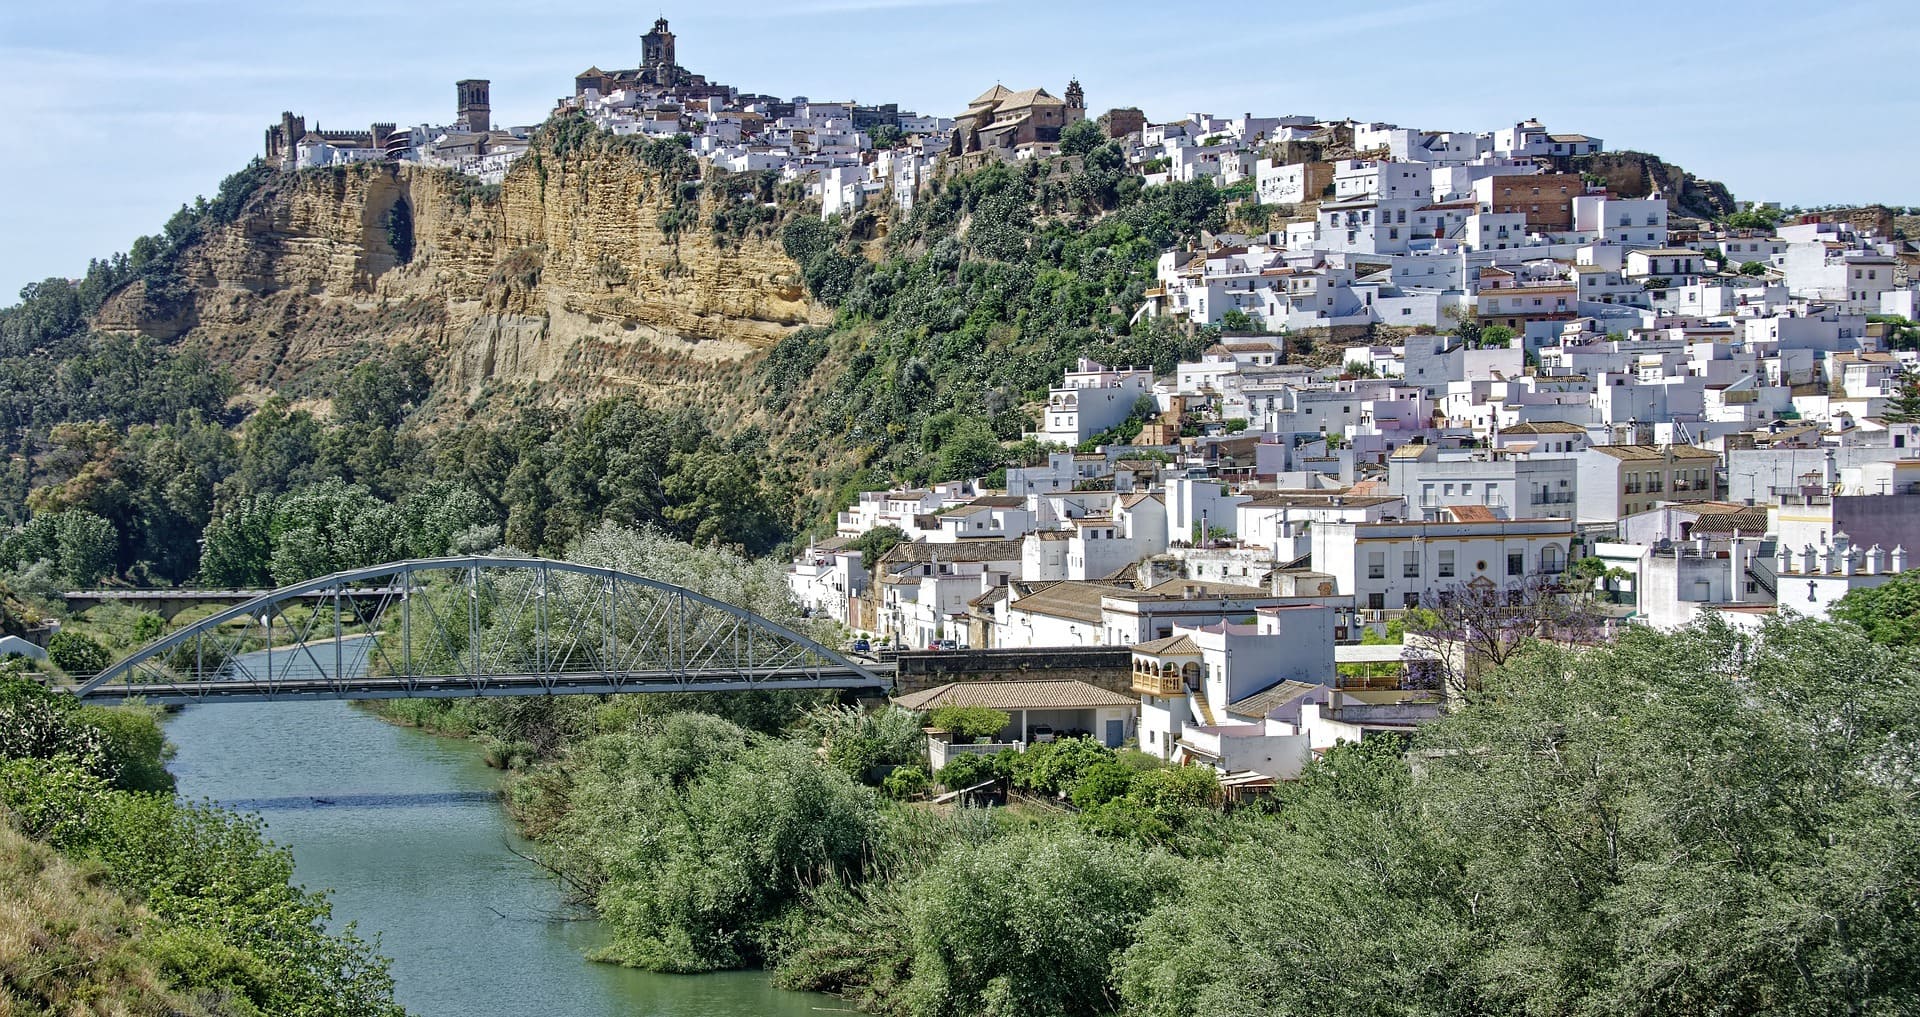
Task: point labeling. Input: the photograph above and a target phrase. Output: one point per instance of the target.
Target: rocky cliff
(1638, 175)
(585, 265)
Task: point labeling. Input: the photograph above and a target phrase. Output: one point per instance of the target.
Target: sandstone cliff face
(1637, 175)
(563, 272)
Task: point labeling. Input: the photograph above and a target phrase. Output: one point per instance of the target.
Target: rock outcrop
(1638, 175)
(503, 284)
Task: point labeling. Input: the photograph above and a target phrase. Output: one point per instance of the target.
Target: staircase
(1763, 582)
(1203, 708)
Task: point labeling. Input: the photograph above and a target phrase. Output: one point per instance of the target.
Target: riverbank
(407, 831)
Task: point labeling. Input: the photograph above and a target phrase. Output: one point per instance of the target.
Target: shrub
(969, 770)
(78, 655)
(905, 782)
(970, 723)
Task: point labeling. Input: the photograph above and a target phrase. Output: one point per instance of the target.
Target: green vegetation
(1754, 217)
(1888, 613)
(1700, 821)
(970, 723)
(133, 902)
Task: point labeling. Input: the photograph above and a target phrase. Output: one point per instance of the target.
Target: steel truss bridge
(447, 628)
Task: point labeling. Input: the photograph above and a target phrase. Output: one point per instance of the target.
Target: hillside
(596, 261)
(615, 331)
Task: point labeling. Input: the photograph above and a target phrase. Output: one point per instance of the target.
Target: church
(659, 72)
(1005, 122)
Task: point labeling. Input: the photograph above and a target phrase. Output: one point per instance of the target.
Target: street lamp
(266, 627)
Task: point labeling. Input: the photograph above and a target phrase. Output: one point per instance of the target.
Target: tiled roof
(1170, 646)
(1544, 427)
(1079, 601)
(1749, 521)
(1472, 514)
(968, 551)
(1042, 695)
(1654, 453)
(1270, 699)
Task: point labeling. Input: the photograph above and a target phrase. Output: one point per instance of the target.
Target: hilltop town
(1501, 364)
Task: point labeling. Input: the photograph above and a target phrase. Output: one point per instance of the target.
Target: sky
(115, 113)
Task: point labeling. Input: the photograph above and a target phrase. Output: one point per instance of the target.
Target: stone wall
(1103, 666)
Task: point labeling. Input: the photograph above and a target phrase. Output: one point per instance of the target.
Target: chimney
(1737, 570)
(1898, 560)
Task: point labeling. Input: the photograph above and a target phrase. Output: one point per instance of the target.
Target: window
(1446, 564)
(1410, 599)
(1516, 563)
(1377, 601)
(1376, 565)
(1410, 565)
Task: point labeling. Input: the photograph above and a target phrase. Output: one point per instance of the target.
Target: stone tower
(1076, 102)
(476, 111)
(656, 51)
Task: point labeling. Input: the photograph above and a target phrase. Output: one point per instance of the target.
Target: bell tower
(1076, 99)
(656, 52)
(476, 112)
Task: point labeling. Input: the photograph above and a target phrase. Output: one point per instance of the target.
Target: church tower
(475, 111)
(1076, 102)
(656, 50)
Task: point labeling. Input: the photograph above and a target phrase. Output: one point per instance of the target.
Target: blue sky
(117, 112)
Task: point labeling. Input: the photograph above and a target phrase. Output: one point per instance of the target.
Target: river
(404, 829)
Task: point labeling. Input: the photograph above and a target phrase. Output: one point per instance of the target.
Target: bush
(1026, 924)
(1103, 782)
(78, 655)
(971, 769)
(1055, 767)
(695, 835)
(970, 723)
(905, 783)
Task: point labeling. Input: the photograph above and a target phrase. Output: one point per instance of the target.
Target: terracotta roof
(1544, 427)
(1079, 601)
(1652, 453)
(1749, 521)
(1268, 700)
(1171, 645)
(1472, 514)
(1043, 695)
(968, 551)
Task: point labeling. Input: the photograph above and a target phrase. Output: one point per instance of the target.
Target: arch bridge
(447, 628)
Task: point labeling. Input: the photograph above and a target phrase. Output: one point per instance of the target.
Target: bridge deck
(292, 688)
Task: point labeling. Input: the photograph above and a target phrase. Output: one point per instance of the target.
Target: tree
(77, 654)
(1236, 320)
(1904, 407)
(1888, 613)
(983, 944)
(970, 723)
(1753, 268)
(693, 835)
(971, 769)
(237, 550)
(874, 544)
(1479, 626)
(79, 545)
(1496, 337)
(1081, 137)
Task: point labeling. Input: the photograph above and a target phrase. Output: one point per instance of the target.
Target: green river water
(404, 829)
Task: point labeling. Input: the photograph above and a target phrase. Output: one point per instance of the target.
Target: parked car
(1041, 733)
(862, 646)
(943, 644)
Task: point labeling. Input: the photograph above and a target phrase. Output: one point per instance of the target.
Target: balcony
(1553, 497)
(1148, 683)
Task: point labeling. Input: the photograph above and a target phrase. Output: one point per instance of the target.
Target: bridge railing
(475, 626)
